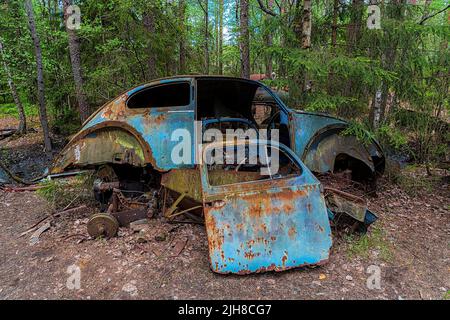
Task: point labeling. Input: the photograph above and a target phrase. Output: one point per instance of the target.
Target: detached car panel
(265, 223)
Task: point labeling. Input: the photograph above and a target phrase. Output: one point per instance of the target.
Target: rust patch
(215, 238)
(284, 259)
(292, 232)
(160, 118)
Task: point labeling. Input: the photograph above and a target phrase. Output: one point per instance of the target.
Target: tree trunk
(354, 27)
(220, 51)
(150, 26)
(40, 76)
(297, 23)
(375, 114)
(306, 24)
(22, 119)
(75, 59)
(244, 41)
(334, 25)
(268, 42)
(182, 44)
(206, 44)
(379, 103)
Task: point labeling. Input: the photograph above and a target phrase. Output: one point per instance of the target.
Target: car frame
(142, 137)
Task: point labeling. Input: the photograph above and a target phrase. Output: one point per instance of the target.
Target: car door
(259, 222)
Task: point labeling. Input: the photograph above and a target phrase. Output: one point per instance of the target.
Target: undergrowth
(70, 192)
(363, 245)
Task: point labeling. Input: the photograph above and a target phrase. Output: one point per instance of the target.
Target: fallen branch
(70, 210)
(33, 227)
(22, 189)
(5, 133)
(53, 215)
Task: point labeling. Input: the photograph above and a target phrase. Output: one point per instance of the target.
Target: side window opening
(225, 98)
(165, 95)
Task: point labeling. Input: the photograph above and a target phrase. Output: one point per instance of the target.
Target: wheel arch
(327, 144)
(106, 142)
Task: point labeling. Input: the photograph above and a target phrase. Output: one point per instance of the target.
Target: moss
(361, 246)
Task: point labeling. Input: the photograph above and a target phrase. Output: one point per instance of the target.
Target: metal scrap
(353, 208)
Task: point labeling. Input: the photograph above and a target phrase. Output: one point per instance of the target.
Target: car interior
(228, 100)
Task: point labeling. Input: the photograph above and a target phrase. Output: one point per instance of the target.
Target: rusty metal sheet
(127, 216)
(105, 145)
(322, 153)
(266, 225)
(339, 202)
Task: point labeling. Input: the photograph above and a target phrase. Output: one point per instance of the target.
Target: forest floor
(410, 243)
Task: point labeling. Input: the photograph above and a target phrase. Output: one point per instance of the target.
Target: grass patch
(10, 110)
(73, 191)
(414, 183)
(362, 245)
(446, 295)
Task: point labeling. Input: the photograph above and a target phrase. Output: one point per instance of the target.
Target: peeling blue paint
(267, 225)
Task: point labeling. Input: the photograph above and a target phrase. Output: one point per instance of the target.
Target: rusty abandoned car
(254, 222)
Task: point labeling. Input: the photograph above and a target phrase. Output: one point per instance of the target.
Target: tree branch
(433, 14)
(201, 6)
(266, 10)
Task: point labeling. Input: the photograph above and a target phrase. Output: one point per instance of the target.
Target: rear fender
(107, 142)
(328, 144)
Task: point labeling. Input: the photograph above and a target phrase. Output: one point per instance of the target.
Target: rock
(142, 237)
(349, 278)
(161, 237)
(130, 288)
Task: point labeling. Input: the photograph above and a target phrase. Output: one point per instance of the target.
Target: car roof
(189, 76)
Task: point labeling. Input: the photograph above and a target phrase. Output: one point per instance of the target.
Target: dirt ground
(410, 243)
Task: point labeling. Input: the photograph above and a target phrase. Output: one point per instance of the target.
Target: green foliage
(375, 240)
(447, 295)
(65, 193)
(10, 110)
(406, 60)
(360, 131)
(67, 122)
(392, 137)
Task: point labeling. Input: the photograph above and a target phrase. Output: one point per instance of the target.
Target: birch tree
(75, 59)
